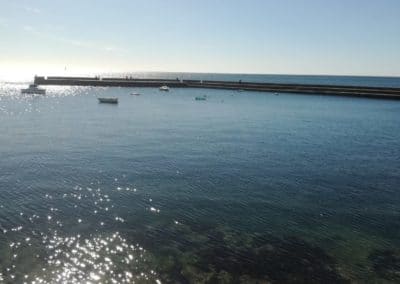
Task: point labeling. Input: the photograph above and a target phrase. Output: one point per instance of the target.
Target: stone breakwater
(352, 91)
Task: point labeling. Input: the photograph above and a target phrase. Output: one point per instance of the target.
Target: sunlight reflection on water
(106, 259)
(13, 90)
(61, 257)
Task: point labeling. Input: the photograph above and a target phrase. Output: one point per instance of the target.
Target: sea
(243, 187)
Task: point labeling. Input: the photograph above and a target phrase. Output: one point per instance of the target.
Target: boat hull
(164, 88)
(108, 100)
(33, 92)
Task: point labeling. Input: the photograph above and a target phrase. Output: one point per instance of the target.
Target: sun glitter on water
(43, 250)
(97, 260)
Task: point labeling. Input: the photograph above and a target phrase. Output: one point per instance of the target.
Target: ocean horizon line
(25, 77)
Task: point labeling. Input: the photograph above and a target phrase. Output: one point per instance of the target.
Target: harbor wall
(354, 91)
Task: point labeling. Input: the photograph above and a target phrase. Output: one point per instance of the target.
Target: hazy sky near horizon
(349, 37)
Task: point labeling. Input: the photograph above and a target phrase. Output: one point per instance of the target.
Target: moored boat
(33, 89)
(164, 88)
(108, 100)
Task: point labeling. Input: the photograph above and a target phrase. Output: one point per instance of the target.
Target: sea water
(241, 187)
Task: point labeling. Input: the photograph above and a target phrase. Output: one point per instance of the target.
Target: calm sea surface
(244, 187)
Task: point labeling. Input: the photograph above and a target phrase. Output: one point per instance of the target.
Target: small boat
(33, 89)
(135, 94)
(108, 100)
(164, 88)
(203, 98)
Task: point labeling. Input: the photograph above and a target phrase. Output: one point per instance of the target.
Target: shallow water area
(164, 188)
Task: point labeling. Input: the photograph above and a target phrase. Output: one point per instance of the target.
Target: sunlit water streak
(164, 188)
(58, 255)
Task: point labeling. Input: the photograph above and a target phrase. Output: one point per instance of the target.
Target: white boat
(33, 89)
(164, 88)
(108, 100)
(135, 94)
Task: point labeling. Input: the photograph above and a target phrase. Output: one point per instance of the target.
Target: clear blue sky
(352, 37)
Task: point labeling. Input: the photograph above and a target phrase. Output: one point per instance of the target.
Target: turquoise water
(244, 187)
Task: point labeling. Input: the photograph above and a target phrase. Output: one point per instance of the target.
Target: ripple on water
(100, 259)
(104, 258)
(60, 245)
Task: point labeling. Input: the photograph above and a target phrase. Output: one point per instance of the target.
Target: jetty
(337, 90)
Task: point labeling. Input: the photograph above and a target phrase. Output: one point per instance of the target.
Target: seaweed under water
(386, 263)
(221, 255)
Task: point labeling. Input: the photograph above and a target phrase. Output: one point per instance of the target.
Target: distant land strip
(351, 91)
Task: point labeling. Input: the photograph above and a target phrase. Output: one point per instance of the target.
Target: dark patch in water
(386, 264)
(219, 255)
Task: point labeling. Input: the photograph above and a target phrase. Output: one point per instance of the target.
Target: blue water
(240, 188)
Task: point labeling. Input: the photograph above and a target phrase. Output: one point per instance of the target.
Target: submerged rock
(277, 261)
(220, 255)
(386, 264)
